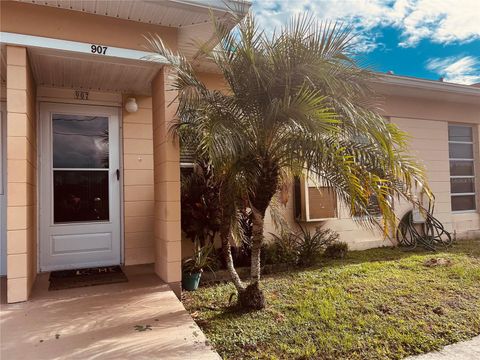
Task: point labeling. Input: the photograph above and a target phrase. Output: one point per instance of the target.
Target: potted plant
(193, 266)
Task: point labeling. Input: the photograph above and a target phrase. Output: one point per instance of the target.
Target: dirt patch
(437, 262)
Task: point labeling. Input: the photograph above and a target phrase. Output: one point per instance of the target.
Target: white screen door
(80, 187)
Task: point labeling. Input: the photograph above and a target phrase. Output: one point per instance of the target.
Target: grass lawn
(375, 304)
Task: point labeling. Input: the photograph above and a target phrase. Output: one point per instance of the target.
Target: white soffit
(57, 68)
(192, 18)
(171, 13)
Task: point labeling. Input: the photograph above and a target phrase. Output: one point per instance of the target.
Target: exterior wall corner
(166, 157)
(21, 185)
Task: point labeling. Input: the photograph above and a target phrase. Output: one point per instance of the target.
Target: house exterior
(84, 181)
(443, 121)
(90, 174)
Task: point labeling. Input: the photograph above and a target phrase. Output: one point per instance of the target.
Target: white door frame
(45, 180)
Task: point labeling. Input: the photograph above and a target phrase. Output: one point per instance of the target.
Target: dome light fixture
(131, 105)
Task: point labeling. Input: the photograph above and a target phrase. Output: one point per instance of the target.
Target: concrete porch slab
(98, 322)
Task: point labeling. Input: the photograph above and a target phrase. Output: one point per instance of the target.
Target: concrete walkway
(466, 350)
(99, 322)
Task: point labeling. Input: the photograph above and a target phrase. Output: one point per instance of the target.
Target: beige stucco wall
(21, 176)
(213, 81)
(138, 183)
(426, 121)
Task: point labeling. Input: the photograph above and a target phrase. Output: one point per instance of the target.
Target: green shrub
(302, 248)
(283, 249)
(337, 250)
(311, 245)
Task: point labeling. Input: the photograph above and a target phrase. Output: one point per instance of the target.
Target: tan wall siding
(213, 81)
(429, 144)
(428, 109)
(427, 122)
(22, 172)
(138, 183)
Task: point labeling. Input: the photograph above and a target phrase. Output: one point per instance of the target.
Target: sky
(421, 38)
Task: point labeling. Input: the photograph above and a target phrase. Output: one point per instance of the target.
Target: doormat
(69, 279)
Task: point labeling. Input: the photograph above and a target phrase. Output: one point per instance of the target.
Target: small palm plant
(295, 103)
(193, 266)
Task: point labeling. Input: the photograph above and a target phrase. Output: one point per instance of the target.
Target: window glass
(462, 185)
(461, 151)
(460, 133)
(462, 172)
(463, 202)
(373, 206)
(80, 195)
(187, 154)
(80, 141)
(460, 167)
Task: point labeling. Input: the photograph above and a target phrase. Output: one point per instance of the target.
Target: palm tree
(297, 103)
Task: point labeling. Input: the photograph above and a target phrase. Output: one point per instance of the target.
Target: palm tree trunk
(227, 210)
(249, 297)
(227, 255)
(266, 188)
(257, 241)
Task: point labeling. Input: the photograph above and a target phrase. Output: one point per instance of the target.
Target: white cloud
(456, 69)
(441, 21)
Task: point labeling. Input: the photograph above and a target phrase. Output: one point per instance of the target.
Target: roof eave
(427, 85)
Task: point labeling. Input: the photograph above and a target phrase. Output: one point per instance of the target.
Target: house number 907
(98, 49)
(81, 95)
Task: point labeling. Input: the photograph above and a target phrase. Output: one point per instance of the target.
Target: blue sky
(421, 38)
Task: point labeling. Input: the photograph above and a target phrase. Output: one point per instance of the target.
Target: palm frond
(295, 102)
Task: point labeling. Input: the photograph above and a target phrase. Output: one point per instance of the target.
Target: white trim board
(79, 47)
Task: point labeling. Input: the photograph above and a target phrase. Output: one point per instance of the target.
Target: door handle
(118, 174)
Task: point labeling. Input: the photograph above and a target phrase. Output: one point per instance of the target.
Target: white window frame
(473, 160)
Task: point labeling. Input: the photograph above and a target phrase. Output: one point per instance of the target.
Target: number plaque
(98, 49)
(81, 95)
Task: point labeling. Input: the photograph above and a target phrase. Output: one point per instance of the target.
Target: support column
(21, 176)
(166, 155)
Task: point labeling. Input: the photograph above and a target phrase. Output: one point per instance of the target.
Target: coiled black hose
(431, 234)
